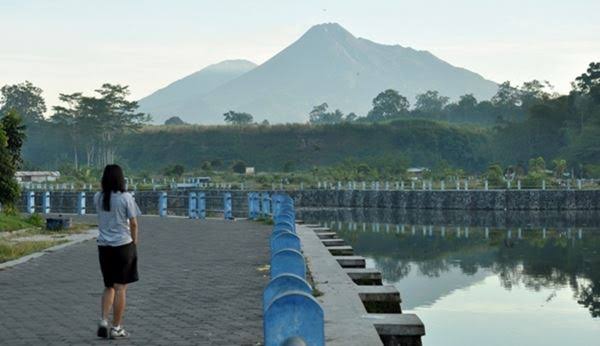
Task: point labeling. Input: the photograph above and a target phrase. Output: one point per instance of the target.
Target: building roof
(37, 174)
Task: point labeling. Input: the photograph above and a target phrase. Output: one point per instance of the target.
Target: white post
(518, 184)
(486, 185)
(442, 185)
(544, 184)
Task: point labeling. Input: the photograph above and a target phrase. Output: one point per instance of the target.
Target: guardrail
(292, 316)
(193, 204)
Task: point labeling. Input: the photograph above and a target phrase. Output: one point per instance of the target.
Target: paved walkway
(199, 285)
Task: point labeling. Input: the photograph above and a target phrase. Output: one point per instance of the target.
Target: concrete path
(199, 285)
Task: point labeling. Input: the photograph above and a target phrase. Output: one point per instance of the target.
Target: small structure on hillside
(37, 176)
(417, 172)
(250, 171)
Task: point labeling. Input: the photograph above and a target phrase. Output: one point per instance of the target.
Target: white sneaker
(102, 329)
(118, 332)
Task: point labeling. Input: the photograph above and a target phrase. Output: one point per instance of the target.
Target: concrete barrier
(284, 283)
(294, 315)
(288, 261)
(285, 240)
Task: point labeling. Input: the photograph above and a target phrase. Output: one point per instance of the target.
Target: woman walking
(117, 247)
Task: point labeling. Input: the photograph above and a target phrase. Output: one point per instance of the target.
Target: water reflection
(548, 263)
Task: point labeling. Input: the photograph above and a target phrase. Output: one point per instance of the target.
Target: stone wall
(452, 199)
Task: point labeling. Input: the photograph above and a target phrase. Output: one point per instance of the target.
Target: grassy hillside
(304, 146)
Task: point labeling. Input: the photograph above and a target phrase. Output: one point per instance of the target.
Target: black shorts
(118, 264)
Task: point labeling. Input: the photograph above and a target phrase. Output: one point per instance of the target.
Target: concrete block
(333, 242)
(351, 261)
(327, 235)
(344, 250)
(364, 276)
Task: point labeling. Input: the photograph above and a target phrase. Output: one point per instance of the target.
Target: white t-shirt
(113, 225)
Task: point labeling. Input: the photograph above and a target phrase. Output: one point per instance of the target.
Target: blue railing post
(201, 212)
(192, 207)
(253, 205)
(266, 204)
(46, 202)
(227, 207)
(31, 202)
(162, 204)
(250, 206)
(81, 203)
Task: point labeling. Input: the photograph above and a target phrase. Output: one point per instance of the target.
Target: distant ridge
(327, 64)
(170, 100)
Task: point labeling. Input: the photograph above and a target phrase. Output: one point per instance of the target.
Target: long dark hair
(113, 180)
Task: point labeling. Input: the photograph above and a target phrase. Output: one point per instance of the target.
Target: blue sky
(68, 46)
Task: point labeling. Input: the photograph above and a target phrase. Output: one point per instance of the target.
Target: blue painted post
(227, 207)
(288, 261)
(201, 204)
(31, 202)
(162, 204)
(282, 284)
(81, 203)
(192, 206)
(266, 204)
(251, 211)
(46, 203)
(294, 316)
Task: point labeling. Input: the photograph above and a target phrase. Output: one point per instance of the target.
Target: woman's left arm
(133, 225)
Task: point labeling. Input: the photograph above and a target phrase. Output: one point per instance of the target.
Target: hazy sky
(73, 45)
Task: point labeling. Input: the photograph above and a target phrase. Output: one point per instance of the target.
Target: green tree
(507, 96)
(216, 163)
(494, 175)
(174, 171)
(206, 166)
(239, 166)
(560, 167)
(26, 99)
(288, 166)
(388, 104)
(9, 189)
(431, 103)
(175, 121)
(237, 118)
(15, 132)
(589, 82)
(319, 115)
(116, 116)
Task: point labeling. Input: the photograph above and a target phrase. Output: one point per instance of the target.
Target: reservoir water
(484, 278)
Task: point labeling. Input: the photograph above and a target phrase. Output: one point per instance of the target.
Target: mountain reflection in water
(508, 269)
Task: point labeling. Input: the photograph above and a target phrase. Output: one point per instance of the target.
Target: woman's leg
(119, 304)
(108, 298)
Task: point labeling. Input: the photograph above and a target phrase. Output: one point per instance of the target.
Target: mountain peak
(329, 29)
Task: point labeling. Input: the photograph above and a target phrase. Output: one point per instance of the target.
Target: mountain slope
(170, 100)
(328, 64)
